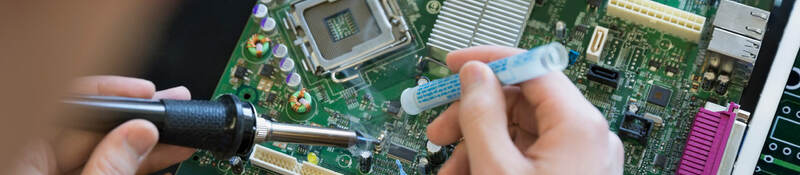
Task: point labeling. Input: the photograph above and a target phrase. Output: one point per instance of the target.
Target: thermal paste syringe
(510, 70)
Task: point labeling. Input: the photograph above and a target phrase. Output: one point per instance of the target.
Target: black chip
(401, 152)
(659, 95)
(660, 161)
(595, 3)
(267, 70)
(271, 97)
(393, 107)
(653, 63)
(239, 72)
(673, 70)
(303, 149)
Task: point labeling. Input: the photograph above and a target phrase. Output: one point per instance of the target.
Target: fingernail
(472, 73)
(176, 88)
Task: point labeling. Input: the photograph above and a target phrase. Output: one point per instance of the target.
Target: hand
(130, 148)
(541, 126)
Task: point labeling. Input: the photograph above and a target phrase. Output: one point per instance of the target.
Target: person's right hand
(541, 126)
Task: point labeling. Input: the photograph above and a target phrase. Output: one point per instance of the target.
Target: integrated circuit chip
(239, 72)
(402, 153)
(660, 160)
(659, 95)
(267, 70)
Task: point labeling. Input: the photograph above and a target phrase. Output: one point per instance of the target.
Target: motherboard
(779, 154)
(653, 68)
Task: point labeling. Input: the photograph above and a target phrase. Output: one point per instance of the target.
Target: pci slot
(311, 169)
(707, 140)
(274, 161)
(285, 164)
(659, 16)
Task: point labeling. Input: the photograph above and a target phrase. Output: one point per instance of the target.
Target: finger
(457, 163)
(554, 95)
(163, 156)
(123, 149)
(444, 130)
(74, 148)
(485, 53)
(483, 120)
(617, 154)
(114, 86)
(178, 93)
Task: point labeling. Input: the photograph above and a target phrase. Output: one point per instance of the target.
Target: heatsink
(668, 19)
(463, 24)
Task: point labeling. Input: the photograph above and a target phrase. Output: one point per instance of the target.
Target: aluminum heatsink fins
(462, 24)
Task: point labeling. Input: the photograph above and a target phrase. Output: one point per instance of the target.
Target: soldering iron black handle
(225, 127)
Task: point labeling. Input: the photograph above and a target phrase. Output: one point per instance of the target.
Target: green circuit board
(647, 60)
(779, 154)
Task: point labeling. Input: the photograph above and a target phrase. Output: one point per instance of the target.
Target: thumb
(484, 123)
(123, 149)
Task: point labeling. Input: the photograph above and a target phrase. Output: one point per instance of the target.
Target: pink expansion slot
(706, 142)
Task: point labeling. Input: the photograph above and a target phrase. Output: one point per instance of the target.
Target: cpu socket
(340, 34)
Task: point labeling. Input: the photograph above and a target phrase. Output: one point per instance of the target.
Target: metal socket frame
(394, 34)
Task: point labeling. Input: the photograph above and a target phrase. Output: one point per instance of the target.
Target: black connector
(635, 126)
(603, 75)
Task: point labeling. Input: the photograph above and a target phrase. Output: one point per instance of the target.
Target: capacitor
(722, 84)
(727, 67)
(436, 156)
(286, 65)
(293, 80)
(713, 62)
(281, 51)
(708, 80)
(422, 80)
(365, 162)
(561, 29)
(236, 165)
(633, 108)
(268, 24)
(260, 11)
(422, 166)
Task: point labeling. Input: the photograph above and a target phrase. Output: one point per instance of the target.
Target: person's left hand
(130, 148)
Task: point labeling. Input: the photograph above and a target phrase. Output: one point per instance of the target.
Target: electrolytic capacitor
(268, 24)
(365, 162)
(281, 51)
(260, 11)
(286, 65)
(561, 29)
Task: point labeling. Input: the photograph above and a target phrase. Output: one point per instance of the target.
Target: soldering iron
(226, 127)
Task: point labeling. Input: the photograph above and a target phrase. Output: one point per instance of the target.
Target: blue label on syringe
(511, 70)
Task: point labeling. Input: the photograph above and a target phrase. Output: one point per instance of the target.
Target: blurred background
(194, 45)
